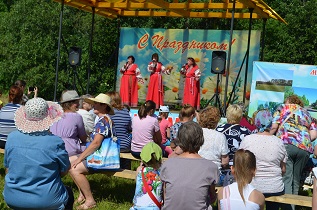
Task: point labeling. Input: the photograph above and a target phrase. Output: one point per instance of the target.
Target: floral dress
(142, 200)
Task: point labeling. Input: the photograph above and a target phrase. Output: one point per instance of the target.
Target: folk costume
(192, 85)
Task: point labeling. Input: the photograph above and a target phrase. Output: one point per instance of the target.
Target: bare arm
(257, 197)
(213, 194)
(313, 134)
(168, 133)
(283, 167)
(274, 128)
(157, 137)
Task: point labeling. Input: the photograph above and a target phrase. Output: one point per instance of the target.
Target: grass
(109, 192)
(275, 88)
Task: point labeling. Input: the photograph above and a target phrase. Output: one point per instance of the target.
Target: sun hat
(69, 95)
(101, 98)
(164, 109)
(263, 120)
(148, 150)
(37, 115)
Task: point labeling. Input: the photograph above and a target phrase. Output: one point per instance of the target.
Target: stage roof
(176, 8)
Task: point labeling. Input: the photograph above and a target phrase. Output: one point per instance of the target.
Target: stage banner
(273, 82)
(175, 45)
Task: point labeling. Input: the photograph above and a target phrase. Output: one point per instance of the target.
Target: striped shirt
(7, 124)
(122, 123)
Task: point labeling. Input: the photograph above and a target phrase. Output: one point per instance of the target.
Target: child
(241, 195)
(164, 125)
(148, 192)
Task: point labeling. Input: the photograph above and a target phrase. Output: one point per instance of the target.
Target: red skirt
(155, 90)
(192, 92)
(129, 90)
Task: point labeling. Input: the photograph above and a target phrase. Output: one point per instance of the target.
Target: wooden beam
(298, 200)
(166, 5)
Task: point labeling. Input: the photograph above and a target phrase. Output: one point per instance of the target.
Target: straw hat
(37, 115)
(101, 98)
(69, 95)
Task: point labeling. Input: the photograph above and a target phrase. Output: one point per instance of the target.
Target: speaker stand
(217, 98)
(76, 77)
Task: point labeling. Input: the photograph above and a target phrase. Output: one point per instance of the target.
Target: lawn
(275, 88)
(109, 192)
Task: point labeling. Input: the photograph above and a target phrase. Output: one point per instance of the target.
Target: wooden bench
(298, 200)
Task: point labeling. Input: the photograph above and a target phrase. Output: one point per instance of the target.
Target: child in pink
(165, 129)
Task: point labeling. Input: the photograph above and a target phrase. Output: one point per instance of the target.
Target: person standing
(131, 75)
(192, 75)
(293, 124)
(155, 88)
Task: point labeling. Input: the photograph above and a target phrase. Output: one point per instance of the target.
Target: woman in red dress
(155, 88)
(192, 75)
(129, 82)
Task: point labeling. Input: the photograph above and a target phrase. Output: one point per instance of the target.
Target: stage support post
(58, 48)
(229, 57)
(263, 39)
(248, 53)
(90, 48)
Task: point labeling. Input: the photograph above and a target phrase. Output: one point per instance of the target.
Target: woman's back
(232, 200)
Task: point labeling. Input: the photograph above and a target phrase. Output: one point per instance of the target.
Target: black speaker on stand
(218, 66)
(74, 59)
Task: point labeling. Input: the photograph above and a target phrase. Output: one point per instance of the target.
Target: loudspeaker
(218, 65)
(74, 56)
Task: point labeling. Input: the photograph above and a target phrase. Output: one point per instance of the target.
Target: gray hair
(190, 137)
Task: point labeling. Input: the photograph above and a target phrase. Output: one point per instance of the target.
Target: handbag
(107, 157)
(149, 192)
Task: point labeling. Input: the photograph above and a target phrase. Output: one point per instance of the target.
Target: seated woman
(7, 114)
(35, 160)
(241, 194)
(145, 128)
(233, 131)
(79, 169)
(71, 127)
(189, 180)
(270, 156)
(215, 146)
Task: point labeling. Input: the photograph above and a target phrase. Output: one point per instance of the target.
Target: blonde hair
(115, 99)
(234, 114)
(244, 164)
(209, 117)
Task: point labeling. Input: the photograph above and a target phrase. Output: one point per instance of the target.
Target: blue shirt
(34, 162)
(122, 123)
(7, 124)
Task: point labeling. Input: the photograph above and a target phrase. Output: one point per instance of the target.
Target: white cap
(164, 109)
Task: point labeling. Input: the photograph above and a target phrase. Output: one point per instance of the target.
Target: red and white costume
(192, 85)
(155, 88)
(129, 84)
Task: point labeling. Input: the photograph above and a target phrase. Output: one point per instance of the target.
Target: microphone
(153, 60)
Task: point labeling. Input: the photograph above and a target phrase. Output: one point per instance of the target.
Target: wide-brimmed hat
(149, 149)
(37, 115)
(101, 98)
(69, 95)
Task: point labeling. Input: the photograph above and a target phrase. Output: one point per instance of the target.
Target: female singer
(129, 82)
(192, 75)
(155, 89)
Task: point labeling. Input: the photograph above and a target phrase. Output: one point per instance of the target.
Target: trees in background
(29, 37)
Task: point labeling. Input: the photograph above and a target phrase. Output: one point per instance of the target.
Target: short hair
(209, 117)
(187, 111)
(15, 94)
(115, 99)
(294, 99)
(132, 57)
(190, 137)
(234, 114)
(82, 98)
(20, 83)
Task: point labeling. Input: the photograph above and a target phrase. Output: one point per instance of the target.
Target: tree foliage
(29, 38)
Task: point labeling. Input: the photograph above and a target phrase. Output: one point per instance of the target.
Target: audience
(165, 125)
(71, 127)
(145, 128)
(84, 110)
(79, 169)
(241, 194)
(35, 160)
(148, 174)
(7, 114)
(22, 84)
(233, 131)
(215, 145)
(270, 156)
(293, 124)
(189, 180)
